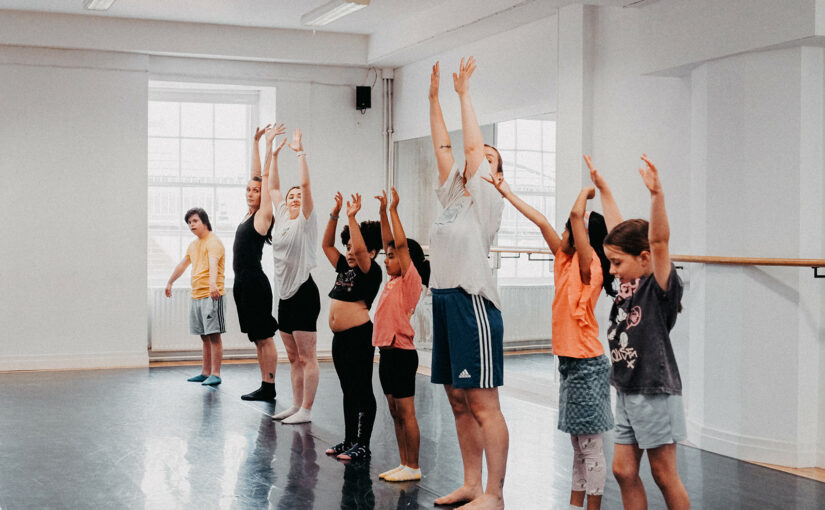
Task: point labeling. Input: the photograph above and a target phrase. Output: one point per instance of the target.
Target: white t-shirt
(294, 246)
(461, 236)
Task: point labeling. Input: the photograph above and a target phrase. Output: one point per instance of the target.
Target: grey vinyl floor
(146, 438)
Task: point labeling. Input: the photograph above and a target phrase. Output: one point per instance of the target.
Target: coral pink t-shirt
(395, 308)
(575, 330)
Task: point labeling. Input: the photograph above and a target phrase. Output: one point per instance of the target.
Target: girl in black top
(252, 292)
(359, 278)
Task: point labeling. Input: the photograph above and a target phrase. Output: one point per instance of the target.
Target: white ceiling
(251, 13)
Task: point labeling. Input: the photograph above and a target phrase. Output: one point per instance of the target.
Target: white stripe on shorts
(484, 343)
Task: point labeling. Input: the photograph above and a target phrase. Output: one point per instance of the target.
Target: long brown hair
(630, 236)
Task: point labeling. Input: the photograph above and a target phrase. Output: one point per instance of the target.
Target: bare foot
(460, 495)
(484, 502)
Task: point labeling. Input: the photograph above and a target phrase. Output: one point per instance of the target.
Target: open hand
(354, 206)
(296, 141)
(382, 201)
(650, 176)
(595, 176)
(434, 81)
(260, 131)
(497, 180)
(394, 203)
(273, 131)
(339, 200)
(461, 81)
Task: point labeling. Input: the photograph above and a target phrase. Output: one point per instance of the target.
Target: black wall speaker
(363, 98)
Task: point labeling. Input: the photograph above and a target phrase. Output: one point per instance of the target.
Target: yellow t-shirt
(199, 252)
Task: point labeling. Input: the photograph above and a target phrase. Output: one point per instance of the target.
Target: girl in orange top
(584, 393)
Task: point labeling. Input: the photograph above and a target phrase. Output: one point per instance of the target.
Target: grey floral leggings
(589, 465)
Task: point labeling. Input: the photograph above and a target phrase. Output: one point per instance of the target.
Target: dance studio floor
(146, 438)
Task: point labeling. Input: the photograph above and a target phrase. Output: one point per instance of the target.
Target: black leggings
(352, 354)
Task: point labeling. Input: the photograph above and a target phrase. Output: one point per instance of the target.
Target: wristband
(300, 153)
(333, 217)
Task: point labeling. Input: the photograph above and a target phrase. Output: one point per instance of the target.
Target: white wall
(74, 141)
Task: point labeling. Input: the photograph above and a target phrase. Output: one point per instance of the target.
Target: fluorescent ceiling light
(332, 11)
(97, 5)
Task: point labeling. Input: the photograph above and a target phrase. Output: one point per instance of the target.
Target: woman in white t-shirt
(467, 328)
(294, 246)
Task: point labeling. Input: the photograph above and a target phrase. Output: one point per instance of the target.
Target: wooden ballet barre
(748, 261)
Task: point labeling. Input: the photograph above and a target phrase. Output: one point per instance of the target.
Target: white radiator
(169, 323)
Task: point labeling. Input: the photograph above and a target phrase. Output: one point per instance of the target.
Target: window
(528, 150)
(199, 156)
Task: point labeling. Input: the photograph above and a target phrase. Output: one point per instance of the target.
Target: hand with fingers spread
(354, 205)
(461, 81)
(382, 201)
(650, 176)
(259, 132)
(339, 201)
(272, 131)
(595, 177)
(296, 144)
(434, 81)
(497, 180)
(394, 203)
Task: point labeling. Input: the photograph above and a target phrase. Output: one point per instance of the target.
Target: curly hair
(370, 231)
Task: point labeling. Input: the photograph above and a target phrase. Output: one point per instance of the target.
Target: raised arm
(581, 240)
(473, 141)
(303, 173)
(401, 248)
(256, 155)
(359, 247)
(612, 216)
(386, 231)
(438, 130)
(328, 242)
(179, 269)
(659, 231)
(263, 219)
(531, 213)
(275, 193)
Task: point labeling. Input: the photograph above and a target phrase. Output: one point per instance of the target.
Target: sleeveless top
(248, 247)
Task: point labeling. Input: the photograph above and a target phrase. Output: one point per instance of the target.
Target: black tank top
(248, 247)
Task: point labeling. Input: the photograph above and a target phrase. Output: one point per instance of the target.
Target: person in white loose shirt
(294, 246)
(467, 328)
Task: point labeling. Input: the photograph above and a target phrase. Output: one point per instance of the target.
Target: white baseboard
(754, 448)
(75, 361)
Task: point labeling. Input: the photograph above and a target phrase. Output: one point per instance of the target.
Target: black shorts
(396, 370)
(300, 312)
(253, 298)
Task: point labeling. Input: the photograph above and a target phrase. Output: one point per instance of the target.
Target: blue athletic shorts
(467, 340)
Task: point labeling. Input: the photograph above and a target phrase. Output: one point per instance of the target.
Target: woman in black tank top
(253, 295)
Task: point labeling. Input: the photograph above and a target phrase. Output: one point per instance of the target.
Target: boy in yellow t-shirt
(207, 308)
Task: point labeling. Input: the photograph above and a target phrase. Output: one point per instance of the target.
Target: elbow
(472, 149)
(658, 243)
(576, 215)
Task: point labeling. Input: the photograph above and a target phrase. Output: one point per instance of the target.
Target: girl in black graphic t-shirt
(359, 278)
(649, 413)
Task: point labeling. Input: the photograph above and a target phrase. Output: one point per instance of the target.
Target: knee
(662, 475)
(484, 413)
(460, 407)
(625, 473)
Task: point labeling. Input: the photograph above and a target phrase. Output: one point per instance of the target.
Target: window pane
(508, 158)
(231, 208)
(164, 207)
(506, 135)
(200, 196)
(196, 158)
(196, 120)
(164, 254)
(549, 171)
(529, 170)
(528, 134)
(230, 161)
(231, 121)
(164, 157)
(164, 118)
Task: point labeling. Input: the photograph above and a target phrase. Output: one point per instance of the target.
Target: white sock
(286, 413)
(574, 507)
(416, 471)
(390, 471)
(302, 416)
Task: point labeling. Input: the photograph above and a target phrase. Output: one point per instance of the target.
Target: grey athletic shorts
(649, 421)
(206, 316)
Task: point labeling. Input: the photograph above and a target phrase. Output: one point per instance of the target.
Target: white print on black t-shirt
(623, 352)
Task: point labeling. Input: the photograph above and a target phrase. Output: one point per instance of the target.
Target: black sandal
(338, 449)
(357, 452)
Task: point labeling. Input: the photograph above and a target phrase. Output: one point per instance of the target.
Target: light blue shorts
(649, 420)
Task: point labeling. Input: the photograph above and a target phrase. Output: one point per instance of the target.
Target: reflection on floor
(145, 438)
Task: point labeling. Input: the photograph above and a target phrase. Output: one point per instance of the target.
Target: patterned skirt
(584, 395)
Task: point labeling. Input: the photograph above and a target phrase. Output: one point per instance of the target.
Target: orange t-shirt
(575, 330)
(199, 252)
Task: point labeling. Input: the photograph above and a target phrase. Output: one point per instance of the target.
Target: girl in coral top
(580, 269)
